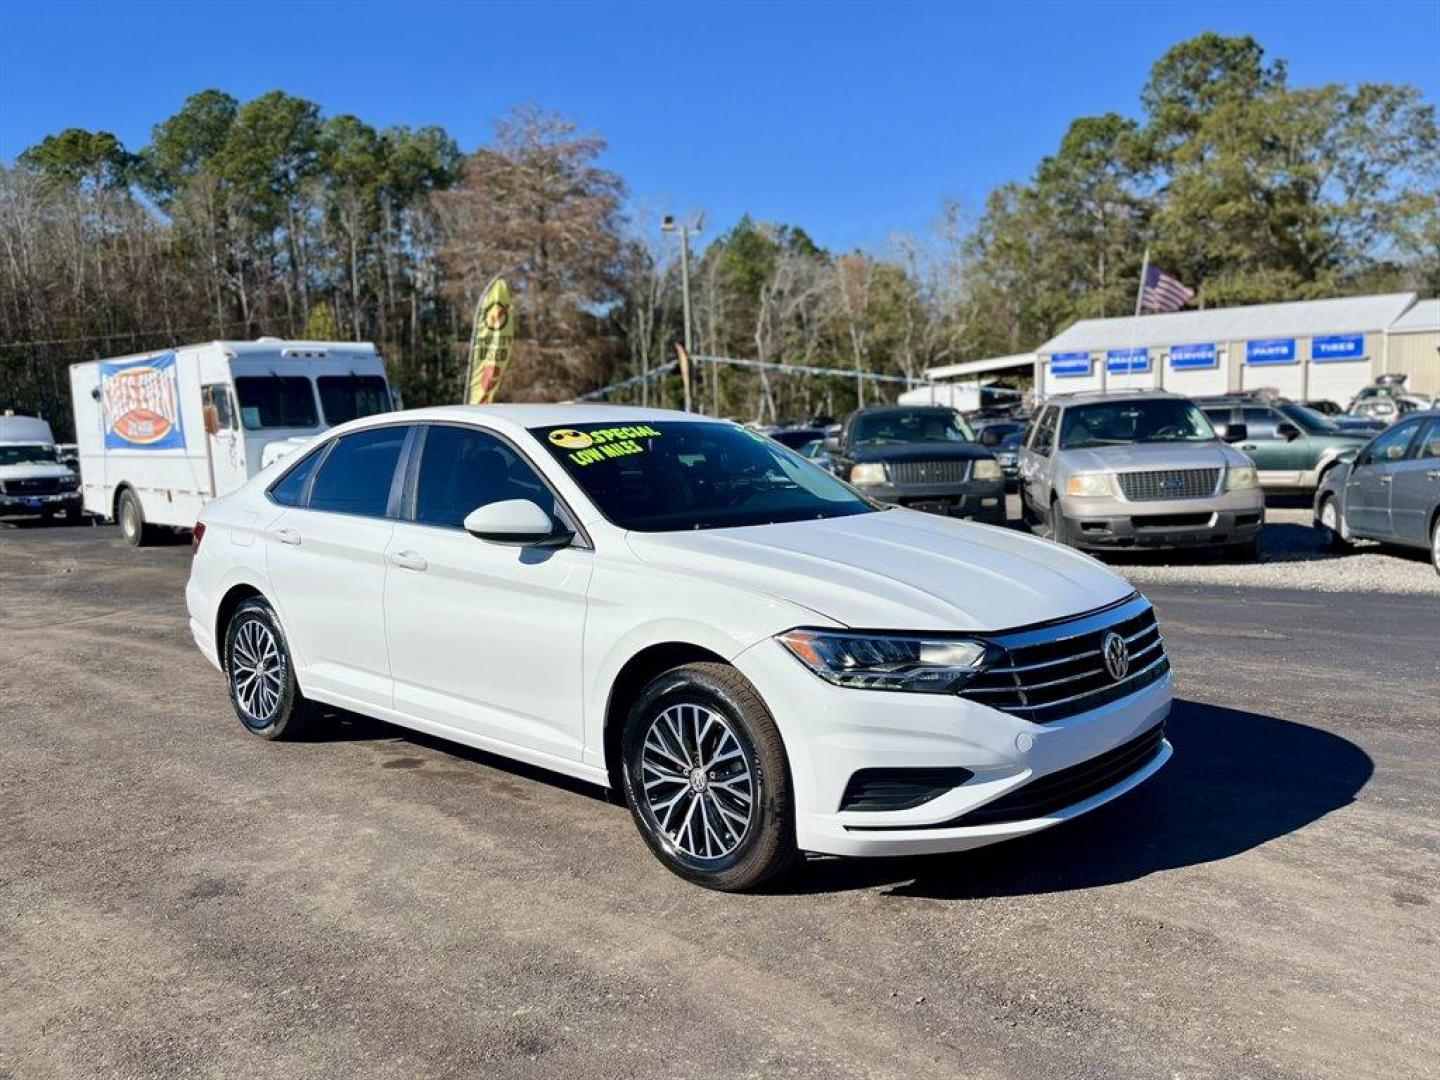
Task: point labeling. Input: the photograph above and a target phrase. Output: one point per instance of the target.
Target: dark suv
(921, 456)
(1291, 446)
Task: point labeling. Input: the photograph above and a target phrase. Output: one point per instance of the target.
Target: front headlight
(872, 473)
(1090, 484)
(987, 469)
(1241, 478)
(914, 662)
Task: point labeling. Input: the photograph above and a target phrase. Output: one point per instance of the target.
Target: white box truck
(160, 434)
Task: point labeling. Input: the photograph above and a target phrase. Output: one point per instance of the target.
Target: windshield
(349, 397)
(666, 476)
(914, 426)
(1118, 423)
(25, 454)
(1307, 419)
(276, 401)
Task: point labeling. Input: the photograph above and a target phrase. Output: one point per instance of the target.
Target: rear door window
(356, 476)
(1259, 423)
(276, 401)
(291, 488)
(463, 469)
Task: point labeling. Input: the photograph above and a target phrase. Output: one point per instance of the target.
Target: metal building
(1304, 349)
(1414, 347)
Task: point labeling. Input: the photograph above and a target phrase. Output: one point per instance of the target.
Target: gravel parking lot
(178, 898)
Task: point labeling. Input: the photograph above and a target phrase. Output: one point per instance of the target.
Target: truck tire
(1059, 525)
(131, 517)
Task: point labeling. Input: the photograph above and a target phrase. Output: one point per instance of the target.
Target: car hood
(34, 470)
(895, 569)
(935, 451)
(1139, 456)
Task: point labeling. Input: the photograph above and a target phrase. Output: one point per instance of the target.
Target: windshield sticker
(588, 447)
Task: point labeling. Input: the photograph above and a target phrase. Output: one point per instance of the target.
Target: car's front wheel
(261, 676)
(1332, 525)
(707, 780)
(1435, 545)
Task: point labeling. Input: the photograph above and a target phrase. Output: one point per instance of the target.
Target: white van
(161, 434)
(32, 478)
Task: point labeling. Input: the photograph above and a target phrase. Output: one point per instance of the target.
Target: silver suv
(1137, 470)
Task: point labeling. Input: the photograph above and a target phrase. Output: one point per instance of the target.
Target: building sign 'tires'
(1324, 350)
(1273, 351)
(140, 400)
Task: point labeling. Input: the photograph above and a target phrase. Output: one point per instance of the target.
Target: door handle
(1248, 446)
(286, 536)
(1387, 479)
(1433, 474)
(408, 560)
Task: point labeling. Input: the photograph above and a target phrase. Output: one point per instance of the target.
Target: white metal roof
(1425, 315)
(1301, 318)
(976, 367)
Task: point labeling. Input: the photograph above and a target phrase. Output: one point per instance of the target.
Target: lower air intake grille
(899, 789)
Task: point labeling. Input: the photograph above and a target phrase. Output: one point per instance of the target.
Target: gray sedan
(1390, 492)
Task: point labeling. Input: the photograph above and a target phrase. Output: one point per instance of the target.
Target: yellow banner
(490, 345)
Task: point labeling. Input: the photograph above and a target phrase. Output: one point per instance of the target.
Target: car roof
(1092, 397)
(517, 418)
(877, 410)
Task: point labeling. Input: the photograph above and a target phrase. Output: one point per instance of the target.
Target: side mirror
(832, 446)
(212, 420)
(515, 521)
(1237, 432)
(1287, 431)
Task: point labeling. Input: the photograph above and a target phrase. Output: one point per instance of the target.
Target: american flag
(1162, 292)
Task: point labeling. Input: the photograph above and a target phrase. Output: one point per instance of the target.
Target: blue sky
(853, 120)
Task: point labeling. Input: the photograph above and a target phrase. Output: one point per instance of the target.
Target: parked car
(796, 437)
(1390, 492)
(1138, 470)
(1291, 446)
(33, 480)
(1008, 455)
(921, 456)
(1379, 412)
(1324, 406)
(815, 451)
(992, 433)
(671, 607)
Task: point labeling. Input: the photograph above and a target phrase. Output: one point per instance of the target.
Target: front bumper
(1107, 524)
(983, 499)
(38, 504)
(831, 733)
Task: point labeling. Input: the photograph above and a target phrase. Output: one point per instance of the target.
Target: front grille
(44, 485)
(1051, 672)
(929, 472)
(1168, 484)
(1055, 791)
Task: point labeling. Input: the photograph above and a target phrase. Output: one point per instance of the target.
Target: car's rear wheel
(707, 779)
(1335, 532)
(1435, 545)
(132, 520)
(261, 676)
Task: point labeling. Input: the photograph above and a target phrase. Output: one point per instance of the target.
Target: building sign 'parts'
(1273, 351)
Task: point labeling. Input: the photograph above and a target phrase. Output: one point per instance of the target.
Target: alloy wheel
(697, 780)
(257, 673)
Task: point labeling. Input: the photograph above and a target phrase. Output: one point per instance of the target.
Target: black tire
(1059, 525)
(1335, 533)
(131, 516)
(74, 515)
(273, 707)
(764, 845)
(1435, 544)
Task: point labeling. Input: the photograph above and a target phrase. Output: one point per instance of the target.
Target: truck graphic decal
(140, 400)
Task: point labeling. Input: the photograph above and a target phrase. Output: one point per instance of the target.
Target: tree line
(265, 217)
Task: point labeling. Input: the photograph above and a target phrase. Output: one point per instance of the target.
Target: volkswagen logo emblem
(1117, 656)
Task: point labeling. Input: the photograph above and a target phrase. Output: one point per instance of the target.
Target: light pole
(668, 224)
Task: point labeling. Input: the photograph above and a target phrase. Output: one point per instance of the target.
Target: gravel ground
(1293, 557)
(180, 899)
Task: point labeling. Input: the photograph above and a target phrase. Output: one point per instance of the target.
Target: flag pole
(1135, 321)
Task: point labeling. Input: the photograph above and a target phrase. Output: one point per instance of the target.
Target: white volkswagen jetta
(759, 658)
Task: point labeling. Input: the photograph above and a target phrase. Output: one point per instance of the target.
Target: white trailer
(161, 434)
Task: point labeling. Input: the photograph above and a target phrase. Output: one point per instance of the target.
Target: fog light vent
(899, 789)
